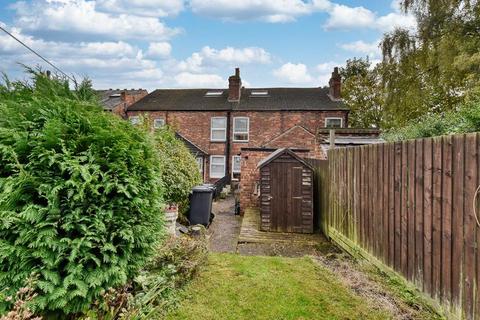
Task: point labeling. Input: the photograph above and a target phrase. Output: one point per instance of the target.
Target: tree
(362, 93)
(432, 70)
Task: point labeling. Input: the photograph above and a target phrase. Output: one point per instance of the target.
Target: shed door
(286, 202)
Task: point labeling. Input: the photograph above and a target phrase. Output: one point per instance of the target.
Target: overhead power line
(37, 54)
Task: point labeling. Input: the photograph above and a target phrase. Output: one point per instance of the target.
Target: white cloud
(149, 8)
(191, 80)
(278, 11)
(396, 20)
(293, 73)
(106, 63)
(192, 63)
(234, 55)
(159, 49)
(371, 49)
(77, 17)
(273, 11)
(209, 57)
(344, 17)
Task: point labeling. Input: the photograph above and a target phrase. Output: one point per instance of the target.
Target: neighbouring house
(235, 128)
(118, 100)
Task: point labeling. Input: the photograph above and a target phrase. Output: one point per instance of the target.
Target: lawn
(256, 287)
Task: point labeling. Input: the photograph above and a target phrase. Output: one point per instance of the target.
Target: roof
(112, 97)
(373, 132)
(357, 140)
(278, 99)
(192, 147)
(274, 155)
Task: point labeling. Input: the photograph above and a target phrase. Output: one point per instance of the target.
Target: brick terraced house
(226, 123)
(118, 100)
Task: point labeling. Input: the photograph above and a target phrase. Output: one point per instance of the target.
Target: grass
(256, 287)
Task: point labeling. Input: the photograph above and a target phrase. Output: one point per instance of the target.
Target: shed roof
(274, 155)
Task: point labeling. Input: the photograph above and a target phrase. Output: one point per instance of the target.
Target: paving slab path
(225, 228)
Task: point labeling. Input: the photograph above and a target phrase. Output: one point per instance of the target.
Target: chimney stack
(234, 86)
(123, 95)
(335, 84)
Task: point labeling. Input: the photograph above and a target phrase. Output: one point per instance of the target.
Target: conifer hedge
(80, 195)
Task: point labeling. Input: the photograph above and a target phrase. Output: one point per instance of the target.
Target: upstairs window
(217, 166)
(333, 122)
(134, 120)
(218, 129)
(240, 129)
(158, 123)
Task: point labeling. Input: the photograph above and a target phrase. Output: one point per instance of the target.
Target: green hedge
(80, 195)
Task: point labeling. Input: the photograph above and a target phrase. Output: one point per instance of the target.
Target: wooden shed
(286, 193)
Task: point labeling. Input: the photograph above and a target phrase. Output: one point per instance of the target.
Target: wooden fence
(411, 206)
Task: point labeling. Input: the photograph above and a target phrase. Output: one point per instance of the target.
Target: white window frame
(233, 164)
(212, 175)
(241, 132)
(212, 129)
(333, 118)
(155, 126)
(134, 120)
(200, 164)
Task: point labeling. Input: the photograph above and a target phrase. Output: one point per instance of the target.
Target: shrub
(156, 290)
(80, 195)
(466, 119)
(179, 169)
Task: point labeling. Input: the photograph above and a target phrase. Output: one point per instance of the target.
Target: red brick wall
(249, 177)
(298, 137)
(264, 127)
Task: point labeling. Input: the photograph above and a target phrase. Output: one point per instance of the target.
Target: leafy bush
(179, 169)
(80, 195)
(155, 291)
(466, 119)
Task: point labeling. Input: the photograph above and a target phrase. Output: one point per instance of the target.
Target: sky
(195, 43)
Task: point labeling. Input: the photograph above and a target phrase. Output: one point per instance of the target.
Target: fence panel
(411, 206)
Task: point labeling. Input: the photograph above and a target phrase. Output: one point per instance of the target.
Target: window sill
(240, 141)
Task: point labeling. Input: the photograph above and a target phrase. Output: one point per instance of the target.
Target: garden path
(225, 228)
